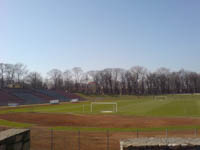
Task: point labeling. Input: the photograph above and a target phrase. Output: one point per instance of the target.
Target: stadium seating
(42, 96)
(29, 98)
(69, 95)
(54, 95)
(5, 98)
(33, 96)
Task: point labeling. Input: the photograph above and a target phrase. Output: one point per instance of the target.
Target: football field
(171, 106)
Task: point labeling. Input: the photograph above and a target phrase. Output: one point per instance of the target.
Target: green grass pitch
(173, 106)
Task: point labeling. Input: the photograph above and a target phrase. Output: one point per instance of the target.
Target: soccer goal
(114, 107)
(160, 97)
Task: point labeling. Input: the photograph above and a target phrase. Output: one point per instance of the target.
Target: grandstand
(29, 98)
(54, 95)
(69, 95)
(23, 96)
(6, 98)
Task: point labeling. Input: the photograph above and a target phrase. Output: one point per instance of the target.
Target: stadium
(21, 96)
(99, 75)
(75, 125)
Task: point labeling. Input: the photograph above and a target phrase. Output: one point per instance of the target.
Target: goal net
(104, 107)
(160, 97)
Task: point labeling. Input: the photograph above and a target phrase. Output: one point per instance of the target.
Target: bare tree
(137, 80)
(56, 77)
(116, 77)
(67, 75)
(163, 80)
(10, 71)
(2, 73)
(68, 80)
(20, 71)
(77, 73)
(138, 76)
(35, 80)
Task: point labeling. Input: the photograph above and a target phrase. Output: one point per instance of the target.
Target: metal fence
(47, 139)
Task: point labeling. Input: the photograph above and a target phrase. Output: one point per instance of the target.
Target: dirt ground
(63, 140)
(44, 139)
(44, 119)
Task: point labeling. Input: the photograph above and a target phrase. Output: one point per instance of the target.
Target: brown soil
(91, 140)
(64, 140)
(44, 139)
(43, 119)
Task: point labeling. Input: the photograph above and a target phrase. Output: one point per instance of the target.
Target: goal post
(115, 106)
(160, 97)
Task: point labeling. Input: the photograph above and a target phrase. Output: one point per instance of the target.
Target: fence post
(51, 139)
(79, 140)
(65, 143)
(195, 132)
(166, 133)
(137, 132)
(108, 140)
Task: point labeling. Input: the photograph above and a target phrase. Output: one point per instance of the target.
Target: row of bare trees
(135, 81)
(12, 74)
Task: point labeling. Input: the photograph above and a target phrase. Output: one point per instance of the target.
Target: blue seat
(28, 98)
(54, 95)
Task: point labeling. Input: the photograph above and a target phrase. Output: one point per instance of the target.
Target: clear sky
(97, 34)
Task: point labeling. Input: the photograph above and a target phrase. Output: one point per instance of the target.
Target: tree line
(135, 81)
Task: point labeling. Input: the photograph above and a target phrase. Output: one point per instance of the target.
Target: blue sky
(97, 34)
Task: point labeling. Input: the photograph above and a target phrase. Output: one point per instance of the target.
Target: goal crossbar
(160, 97)
(103, 103)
